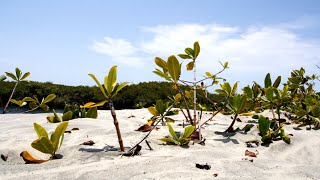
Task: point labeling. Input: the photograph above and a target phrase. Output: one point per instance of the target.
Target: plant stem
(13, 91)
(30, 110)
(230, 128)
(195, 96)
(116, 124)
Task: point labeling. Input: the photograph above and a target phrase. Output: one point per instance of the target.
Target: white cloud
(252, 51)
(120, 50)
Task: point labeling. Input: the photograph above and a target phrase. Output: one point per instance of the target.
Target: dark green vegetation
(146, 93)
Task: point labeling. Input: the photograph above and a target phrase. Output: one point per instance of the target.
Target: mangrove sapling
(159, 111)
(109, 90)
(45, 144)
(270, 131)
(34, 102)
(17, 77)
(171, 71)
(177, 139)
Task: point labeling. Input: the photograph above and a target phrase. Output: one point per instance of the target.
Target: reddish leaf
(251, 154)
(146, 128)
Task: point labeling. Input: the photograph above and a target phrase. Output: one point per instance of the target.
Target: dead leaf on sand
(3, 157)
(250, 153)
(74, 129)
(26, 156)
(203, 166)
(146, 128)
(88, 143)
(135, 151)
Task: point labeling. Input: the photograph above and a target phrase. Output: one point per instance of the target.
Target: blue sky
(63, 41)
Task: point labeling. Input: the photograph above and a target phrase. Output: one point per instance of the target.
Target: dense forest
(133, 96)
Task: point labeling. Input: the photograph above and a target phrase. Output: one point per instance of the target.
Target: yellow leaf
(29, 159)
(150, 122)
(153, 111)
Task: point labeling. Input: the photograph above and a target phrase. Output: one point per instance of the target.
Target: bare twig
(148, 144)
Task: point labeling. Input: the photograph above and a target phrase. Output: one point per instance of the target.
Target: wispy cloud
(251, 51)
(119, 50)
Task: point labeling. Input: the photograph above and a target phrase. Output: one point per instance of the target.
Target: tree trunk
(14, 89)
(116, 124)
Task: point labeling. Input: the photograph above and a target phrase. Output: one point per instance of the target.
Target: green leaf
(168, 140)
(67, 116)
(44, 107)
(121, 86)
(29, 99)
(44, 145)
(110, 80)
(58, 133)
(264, 125)
(92, 113)
(248, 91)
(188, 131)
(235, 87)
(25, 76)
(269, 93)
(221, 92)
(208, 74)
(162, 74)
(160, 107)
(40, 130)
(267, 81)
(173, 134)
(18, 73)
(160, 62)
(184, 56)
(277, 82)
(99, 85)
(174, 68)
(49, 98)
(225, 65)
(56, 117)
(9, 74)
(196, 48)
(189, 51)
(33, 105)
(169, 120)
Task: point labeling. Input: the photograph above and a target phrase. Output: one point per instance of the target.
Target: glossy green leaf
(188, 131)
(44, 107)
(160, 62)
(121, 86)
(267, 81)
(67, 116)
(264, 125)
(269, 93)
(225, 65)
(189, 51)
(44, 145)
(110, 80)
(174, 68)
(29, 99)
(18, 73)
(184, 56)
(208, 74)
(196, 48)
(58, 133)
(160, 106)
(162, 74)
(248, 91)
(277, 82)
(99, 85)
(172, 132)
(9, 74)
(25, 76)
(92, 113)
(40, 130)
(49, 98)
(168, 140)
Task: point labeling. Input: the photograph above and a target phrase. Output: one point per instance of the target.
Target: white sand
(299, 160)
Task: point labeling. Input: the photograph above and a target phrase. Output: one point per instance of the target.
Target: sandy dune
(299, 160)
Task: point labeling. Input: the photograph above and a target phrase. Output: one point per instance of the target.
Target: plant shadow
(107, 148)
(228, 139)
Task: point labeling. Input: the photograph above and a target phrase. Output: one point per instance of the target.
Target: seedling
(109, 89)
(44, 144)
(34, 102)
(177, 139)
(17, 77)
(270, 131)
